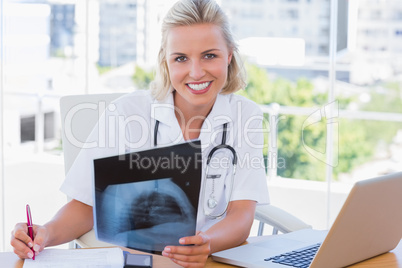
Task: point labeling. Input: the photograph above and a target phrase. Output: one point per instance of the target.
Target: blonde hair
(191, 12)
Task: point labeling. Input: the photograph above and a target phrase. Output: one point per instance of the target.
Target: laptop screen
(149, 199)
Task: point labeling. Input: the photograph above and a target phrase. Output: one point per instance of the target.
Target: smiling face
(197, 58)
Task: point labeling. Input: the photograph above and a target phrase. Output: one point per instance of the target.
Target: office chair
(82, 113)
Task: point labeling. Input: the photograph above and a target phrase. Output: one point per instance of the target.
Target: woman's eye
(180, 59)
(210, 56)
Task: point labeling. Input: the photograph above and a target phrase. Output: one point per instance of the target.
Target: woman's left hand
(194, 255)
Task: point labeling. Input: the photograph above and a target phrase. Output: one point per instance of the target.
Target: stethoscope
(212, 202)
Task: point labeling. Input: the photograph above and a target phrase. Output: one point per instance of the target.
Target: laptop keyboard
(300, 258)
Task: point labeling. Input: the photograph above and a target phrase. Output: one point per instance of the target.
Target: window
(28, 127)
(290, 14)
(397, 15)
(375, 15)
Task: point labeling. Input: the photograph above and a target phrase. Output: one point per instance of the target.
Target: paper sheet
(79, 258)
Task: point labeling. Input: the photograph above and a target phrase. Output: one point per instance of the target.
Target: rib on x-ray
(145, 215)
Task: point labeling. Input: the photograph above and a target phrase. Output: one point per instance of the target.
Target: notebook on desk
(369, 224)
(149, 199)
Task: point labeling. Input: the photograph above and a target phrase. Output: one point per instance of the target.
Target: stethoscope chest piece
(212, 202)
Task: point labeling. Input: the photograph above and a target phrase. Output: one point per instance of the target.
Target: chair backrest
(79, 114)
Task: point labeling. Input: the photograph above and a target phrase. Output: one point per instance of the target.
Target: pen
(30, 227)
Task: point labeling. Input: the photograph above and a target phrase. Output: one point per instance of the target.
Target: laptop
(146, 200)
(369, 224)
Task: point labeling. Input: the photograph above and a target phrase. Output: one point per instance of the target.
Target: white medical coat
(128, 123)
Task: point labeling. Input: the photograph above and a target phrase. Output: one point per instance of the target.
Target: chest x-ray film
(147, 200)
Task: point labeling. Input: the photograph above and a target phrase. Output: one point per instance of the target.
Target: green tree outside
(142, 78)
(356, 143)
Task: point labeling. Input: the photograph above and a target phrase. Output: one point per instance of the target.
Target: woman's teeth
(199, 86)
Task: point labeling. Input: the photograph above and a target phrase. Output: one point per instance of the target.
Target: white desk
(391, 259)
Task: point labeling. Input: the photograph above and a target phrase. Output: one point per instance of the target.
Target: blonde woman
(191, 98)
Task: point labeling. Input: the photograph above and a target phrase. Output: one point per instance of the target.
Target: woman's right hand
(23, 244)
